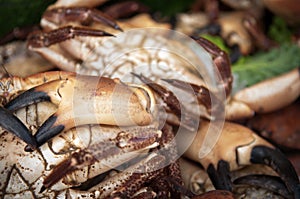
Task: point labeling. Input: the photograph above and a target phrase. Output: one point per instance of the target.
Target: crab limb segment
(260, 97)
(67, 166)
(15, 126)
(221, 61)
(171, 100)
(84, 15)
(204, 96)
(42, 39)
(251, 24)
(133, 178)
(110, 152)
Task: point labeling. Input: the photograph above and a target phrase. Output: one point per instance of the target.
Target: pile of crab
(129, 112)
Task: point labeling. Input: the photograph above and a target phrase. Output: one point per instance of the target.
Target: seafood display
(104, 100)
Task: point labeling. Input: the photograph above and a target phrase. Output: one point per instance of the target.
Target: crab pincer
(87, 100)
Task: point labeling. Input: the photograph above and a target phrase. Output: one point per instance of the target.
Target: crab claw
(84, 100)
(236, 147)
(220, 175)
(15, 126)
(278, 162)
(35, 95)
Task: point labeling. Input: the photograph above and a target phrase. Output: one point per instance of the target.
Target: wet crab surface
(53, 154)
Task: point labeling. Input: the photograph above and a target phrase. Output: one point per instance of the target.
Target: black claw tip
(12, 124)
(43, 188)
(29, 97)
(220, 177)
(278, 162)
(46, 132)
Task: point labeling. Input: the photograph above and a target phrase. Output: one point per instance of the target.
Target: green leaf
(263, 65)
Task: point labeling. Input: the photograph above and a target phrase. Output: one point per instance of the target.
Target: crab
(241, 30)
(87, 150)
(137, 132)
(56, 123)
(98, 50)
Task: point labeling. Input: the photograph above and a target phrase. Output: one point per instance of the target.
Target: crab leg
(41, 39)
(39, 42)
(204, 96)
(251, 24)
(171, 100)
(88, 100)
(109, 152)
(133, 178)
(84, 15)
(127, 182)
(221, 61)
(15, 126)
